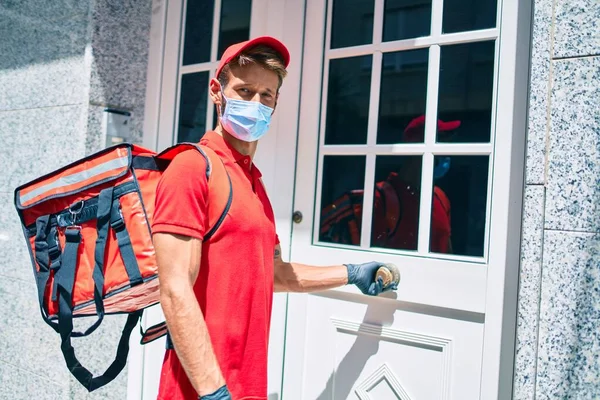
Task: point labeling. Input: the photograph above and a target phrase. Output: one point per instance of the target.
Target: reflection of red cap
(236, 49)
(415, 129)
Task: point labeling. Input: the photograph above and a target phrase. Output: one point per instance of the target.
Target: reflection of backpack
(87, 227)
(341, 221)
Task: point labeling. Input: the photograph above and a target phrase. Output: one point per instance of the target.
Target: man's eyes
(246, 91)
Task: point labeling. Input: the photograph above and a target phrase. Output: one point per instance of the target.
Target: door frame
(506, 193)
(274, 156)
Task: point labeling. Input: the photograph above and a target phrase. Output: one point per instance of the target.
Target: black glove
(363, 276)
(220, 394)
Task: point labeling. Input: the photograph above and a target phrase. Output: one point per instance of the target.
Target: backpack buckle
(75, 209)
(54, 252)
(119, 223)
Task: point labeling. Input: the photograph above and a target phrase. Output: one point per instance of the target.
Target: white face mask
(246, 120)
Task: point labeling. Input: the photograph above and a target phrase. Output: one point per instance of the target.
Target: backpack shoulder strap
(220, 190)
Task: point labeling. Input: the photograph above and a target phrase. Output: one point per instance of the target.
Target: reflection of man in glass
(397, 199)
(396, 203)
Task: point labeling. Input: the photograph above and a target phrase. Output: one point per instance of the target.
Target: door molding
(443, 345)
(515, 21)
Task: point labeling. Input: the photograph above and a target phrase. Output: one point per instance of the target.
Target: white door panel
(419, 355)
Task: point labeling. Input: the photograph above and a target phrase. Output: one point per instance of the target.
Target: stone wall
(61, 63)
(558, 335)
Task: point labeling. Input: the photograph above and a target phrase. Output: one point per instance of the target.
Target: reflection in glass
(406, 19)
(235, 23)
(396, 203)
(198, 31)
(192, 107)
(465, 91)
(459, 205)
(342, 199)
(352, 23)
(348, 100)
(403, 96)
(469, 15)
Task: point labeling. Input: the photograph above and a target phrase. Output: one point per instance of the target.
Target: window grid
(413, 44)
(210, 66)
(433, 78)
(429, 148)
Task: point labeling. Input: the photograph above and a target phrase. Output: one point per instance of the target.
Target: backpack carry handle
(84, 376)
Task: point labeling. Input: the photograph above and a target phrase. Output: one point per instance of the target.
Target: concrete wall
(61, 63)
(558, 335)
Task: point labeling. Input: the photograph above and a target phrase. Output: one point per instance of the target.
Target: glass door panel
(401, 132)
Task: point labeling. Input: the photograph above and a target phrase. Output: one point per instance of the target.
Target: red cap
(235, 49)
(415, 129)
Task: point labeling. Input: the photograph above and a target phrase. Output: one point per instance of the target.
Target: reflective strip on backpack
(75, 181)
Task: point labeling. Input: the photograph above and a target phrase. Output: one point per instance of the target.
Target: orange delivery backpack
(87, 227)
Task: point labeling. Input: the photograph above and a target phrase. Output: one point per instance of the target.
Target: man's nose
(256, 97)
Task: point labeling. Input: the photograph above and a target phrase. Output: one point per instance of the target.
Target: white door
(371, 69)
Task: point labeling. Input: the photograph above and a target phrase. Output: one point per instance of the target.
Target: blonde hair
(262, 55)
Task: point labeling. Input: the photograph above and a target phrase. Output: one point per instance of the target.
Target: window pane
(403, 97)
(198, 31)
(406, 19)
(342, 199)
(469, 15)
(459, 205)
(465, 93)
(192, 107)
(235, 23)
(396, 205)
(348, 100)
(352, 23)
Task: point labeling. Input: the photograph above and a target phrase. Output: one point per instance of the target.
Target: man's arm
(294, 277)
(178, 266)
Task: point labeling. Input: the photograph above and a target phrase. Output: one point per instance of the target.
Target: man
(217, 294)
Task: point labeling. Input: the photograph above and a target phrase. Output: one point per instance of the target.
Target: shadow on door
(342, 380)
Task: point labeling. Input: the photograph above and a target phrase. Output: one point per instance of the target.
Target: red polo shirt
(235, 284)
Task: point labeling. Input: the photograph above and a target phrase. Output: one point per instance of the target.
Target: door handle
(297, 217)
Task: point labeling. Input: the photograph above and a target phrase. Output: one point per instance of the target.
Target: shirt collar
(218, 143)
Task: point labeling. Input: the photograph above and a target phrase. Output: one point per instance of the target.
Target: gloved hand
(363, 276)
(220, 394)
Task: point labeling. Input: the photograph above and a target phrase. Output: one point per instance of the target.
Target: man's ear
(215, 91)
